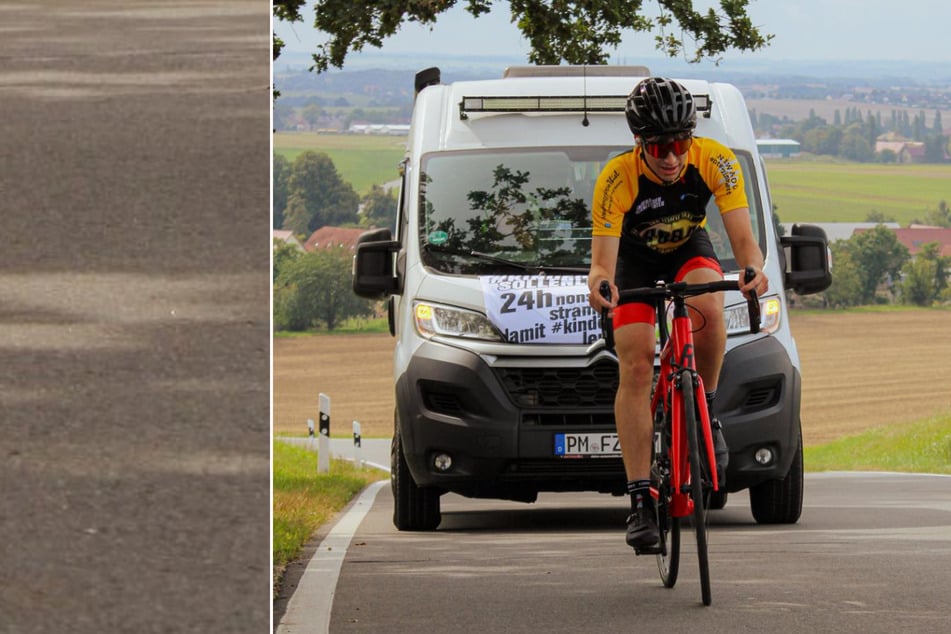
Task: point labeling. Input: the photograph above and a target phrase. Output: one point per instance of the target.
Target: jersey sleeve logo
(729, 171)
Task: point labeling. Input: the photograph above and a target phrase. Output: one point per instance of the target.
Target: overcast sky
(804, 30)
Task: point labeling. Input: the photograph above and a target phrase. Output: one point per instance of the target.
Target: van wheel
(780, 501)
(415, 508)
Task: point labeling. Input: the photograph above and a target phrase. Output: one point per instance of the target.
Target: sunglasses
(660, 149)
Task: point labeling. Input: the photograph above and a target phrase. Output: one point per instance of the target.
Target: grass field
(819, 191)
(361, 160)
(803, 190)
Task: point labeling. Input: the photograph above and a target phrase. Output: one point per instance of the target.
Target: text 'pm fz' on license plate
(588, 444)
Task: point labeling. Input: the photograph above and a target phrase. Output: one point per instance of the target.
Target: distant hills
(784, 89)
(871, 73)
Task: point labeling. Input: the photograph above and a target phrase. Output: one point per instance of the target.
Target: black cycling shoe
(721, 451)
(642, 534)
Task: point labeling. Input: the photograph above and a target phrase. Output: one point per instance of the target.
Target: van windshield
(493, 212)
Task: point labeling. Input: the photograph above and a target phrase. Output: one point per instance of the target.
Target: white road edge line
(308, 609)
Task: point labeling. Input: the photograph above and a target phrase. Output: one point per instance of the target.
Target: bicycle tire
(696, 482)
(668, 559)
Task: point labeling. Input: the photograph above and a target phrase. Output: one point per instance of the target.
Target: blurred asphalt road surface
(134, 319)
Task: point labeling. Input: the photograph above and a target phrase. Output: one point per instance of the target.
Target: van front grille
(591, 386)
(571, 419)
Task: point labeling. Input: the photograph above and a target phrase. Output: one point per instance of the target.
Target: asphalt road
(872, 553)
(134, 319)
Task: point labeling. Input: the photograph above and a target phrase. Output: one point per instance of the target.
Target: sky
(804, 30)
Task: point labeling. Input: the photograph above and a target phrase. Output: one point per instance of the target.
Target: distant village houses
(916, 236)
(778, 148)
(281, 236)
(323, 238)
(382, 129)
(327, 237)
(913, 237)
(904, 151)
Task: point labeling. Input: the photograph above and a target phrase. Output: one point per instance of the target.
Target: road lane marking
(308, 609)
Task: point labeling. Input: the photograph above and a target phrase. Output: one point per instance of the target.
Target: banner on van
(546, 309)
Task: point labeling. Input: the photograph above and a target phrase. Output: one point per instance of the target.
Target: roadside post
(323, 441)
(357, 443)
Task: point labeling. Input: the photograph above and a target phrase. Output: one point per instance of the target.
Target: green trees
(862, 263)
(869, 262)
(281, 169)
(926, 277)
(572, 31)
(314, 289)
(938, 217)
(879, 257)
(378, 208)
(846, 288)
(853, 137)
(313, 194)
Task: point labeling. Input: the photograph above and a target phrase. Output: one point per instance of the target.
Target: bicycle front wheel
(691, 423)
(668, 559)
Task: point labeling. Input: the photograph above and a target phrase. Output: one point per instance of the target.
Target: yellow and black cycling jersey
(630, 202)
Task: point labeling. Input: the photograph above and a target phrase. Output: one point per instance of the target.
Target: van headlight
(738, 317)
(436, 319)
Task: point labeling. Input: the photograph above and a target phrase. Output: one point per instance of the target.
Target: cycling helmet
(660, 107)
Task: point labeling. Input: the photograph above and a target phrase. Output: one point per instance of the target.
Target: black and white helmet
(660, 107)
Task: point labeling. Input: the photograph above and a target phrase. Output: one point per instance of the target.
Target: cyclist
(649, 211)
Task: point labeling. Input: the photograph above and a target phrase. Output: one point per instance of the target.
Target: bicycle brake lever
(607, 327)
(752, 302)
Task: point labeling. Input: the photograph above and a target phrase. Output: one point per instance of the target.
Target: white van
(504, 388)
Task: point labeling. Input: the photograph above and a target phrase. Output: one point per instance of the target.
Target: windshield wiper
(528, 267)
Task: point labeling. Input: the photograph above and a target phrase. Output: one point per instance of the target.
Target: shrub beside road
(305, 500)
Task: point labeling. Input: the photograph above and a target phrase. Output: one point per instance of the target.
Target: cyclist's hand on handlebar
(599, 302)
(759, 283)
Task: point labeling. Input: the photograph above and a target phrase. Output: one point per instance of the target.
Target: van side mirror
(374, 273)
(808, 267)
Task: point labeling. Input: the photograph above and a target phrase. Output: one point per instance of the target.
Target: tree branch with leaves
(569, 31)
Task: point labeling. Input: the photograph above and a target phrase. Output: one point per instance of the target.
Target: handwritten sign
(543, 309)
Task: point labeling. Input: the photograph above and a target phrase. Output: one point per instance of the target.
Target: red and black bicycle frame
(677, 355)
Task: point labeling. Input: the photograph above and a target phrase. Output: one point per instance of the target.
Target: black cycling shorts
(637, 268)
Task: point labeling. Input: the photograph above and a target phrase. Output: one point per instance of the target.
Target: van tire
(780, 501)
(415, 508)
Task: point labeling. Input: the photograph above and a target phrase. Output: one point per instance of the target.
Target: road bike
(683, 463)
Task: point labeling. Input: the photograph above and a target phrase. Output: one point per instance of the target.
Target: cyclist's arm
(745, 248)
(604, 251)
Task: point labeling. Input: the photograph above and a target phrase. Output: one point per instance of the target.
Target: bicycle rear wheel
(696, 482)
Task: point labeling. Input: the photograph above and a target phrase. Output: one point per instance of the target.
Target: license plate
(605, 444)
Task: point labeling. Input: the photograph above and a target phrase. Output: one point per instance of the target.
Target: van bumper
(501, 443)
(500, 433)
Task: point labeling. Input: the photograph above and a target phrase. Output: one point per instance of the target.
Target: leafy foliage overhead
(570, 31)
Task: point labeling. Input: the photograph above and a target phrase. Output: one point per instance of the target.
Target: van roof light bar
(550, 103)
(584, 70)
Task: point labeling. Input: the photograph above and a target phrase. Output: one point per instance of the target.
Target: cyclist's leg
(709, 327)
(634, 344)
(698, 264)
(634, 340)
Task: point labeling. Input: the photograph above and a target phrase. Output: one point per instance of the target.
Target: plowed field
(860, 370)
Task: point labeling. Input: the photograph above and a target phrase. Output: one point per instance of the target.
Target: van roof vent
(575, 71)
